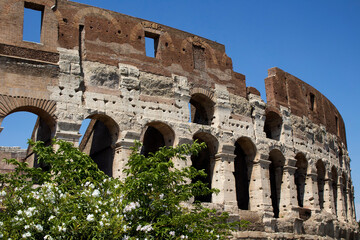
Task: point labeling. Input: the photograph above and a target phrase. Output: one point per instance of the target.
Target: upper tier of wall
(112, 38)
(286, 90)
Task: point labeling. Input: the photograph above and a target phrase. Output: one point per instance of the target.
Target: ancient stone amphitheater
(282, 164)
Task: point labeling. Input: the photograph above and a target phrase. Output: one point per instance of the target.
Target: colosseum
(282, 164)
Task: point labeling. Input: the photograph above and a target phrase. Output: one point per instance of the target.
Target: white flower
(90, 217)
(101, 224)
(51, 217)
(29, 212)
(131, 206)
(19, 212)
(1, 224)
(62, 228)
(1, 235)
(2, 193)
(116, 186)
(146, 228)
(48, 237)
(172, 233)
(25, 235)
(26, 227)
(73, 218)
(39, 228)
(183, 237)
(96, 193)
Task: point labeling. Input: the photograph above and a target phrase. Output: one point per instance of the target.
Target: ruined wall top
(112, 38)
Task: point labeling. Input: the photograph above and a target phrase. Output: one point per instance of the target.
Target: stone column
(288, 199)
(353, 212)
(311, 195)
(224, 180)
(329, 204)
(68, 131)
(340, 201)
(348, 200)
(122, 152)
(259, 189)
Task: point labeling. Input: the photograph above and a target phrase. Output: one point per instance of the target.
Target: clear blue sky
(317, 41)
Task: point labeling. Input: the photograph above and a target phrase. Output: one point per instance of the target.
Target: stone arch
(45, 109)
(300, 177)
(320, 170)
(81, 14)
(334, 178)
(276, 173)
(201, 108)
(155, 135)
(99, 141)
(205, 160)
(273, 125)
(245, 152)
(45, 126)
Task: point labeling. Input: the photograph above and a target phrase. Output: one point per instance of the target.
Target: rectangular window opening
(312, 102)
(337, 126)
(151, 44)
(199, 57)
(33, 18)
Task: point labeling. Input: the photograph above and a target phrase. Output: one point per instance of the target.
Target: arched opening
(205, 160)
(157, 135)
(340, 157)
(18, 126)
(244, 155)
(272, 126)
(276, 173)
(320, 170)
(300, 177)
(98, 141)
(201, 109)
(334, 187)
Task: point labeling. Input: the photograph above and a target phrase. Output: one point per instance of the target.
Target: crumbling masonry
(283, 164)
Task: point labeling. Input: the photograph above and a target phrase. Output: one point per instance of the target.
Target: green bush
(71, 198)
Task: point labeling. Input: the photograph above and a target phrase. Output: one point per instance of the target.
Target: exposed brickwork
(283, 164)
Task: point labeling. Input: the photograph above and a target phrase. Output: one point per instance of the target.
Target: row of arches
(103, 133)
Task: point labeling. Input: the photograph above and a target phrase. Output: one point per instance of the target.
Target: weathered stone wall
(283, 164)
(8, 153)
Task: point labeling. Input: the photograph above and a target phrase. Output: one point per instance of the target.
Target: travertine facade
(283, 164)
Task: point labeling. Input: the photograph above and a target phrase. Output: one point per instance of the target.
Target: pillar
(288, 196)
(224, 180)
(348, 199)
(311, 195)
(259, 188)
(340, 201)
(329, 204)
(122, 152)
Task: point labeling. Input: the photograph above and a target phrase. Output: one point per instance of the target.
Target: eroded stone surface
(94, 65)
